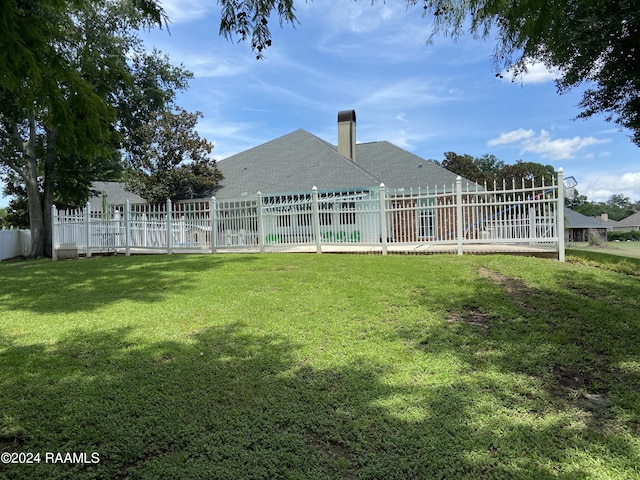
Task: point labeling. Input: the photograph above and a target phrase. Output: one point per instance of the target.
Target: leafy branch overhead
(249, 19)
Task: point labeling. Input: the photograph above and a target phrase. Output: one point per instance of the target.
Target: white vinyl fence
(14, 243)
(458, 215)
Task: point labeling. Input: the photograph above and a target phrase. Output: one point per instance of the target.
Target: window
(427, 218)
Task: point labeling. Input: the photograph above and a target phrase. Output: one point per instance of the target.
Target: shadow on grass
(87, 284)
(567, 352)
(231, 403)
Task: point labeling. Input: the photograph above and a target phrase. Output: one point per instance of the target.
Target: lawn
(623, 257)
(319, 367)
(625, 249)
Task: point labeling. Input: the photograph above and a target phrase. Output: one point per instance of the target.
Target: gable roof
(574, 219)
(296, 162)
(293, 163)
(630, 221)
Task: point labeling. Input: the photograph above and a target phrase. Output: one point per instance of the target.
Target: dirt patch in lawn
(516, 288)
(474, 317)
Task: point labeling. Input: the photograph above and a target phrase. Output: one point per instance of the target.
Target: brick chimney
(347, 134)
(604, 216)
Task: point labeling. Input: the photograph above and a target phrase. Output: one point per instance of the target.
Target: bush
(633, 236)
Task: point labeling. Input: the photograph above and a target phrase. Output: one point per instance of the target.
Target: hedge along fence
(633, 236)
(456, 215)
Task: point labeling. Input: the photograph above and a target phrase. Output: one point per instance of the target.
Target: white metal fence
(458, 215)
(14, 243)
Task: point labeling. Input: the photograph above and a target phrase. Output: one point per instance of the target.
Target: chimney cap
(347, 116)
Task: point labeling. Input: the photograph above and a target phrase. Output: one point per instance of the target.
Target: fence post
(383, 218)
(315, 213)
(213, 212)
(169, 229)
(127, 228)
(54, 253)
(261, 236)
(459, 213)
(560, 214)
(88, 229)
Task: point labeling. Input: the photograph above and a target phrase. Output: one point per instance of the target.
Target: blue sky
(428, 99)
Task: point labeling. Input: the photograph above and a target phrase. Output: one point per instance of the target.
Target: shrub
(624, 236)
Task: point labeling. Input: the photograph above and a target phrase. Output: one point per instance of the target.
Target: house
(629, 224)
(300, 189)
(347, 176)
(578, 227)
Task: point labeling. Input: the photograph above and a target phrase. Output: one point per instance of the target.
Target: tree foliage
(489, 170)
(171, 159)
(617, 207)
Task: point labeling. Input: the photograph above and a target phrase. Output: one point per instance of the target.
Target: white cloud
(209, 65)
(511, 137)
(180, 11)
(535, 73)
(598, 187)
(546, 146)
(560, 148)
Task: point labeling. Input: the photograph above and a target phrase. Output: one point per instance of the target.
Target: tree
(172, 159)
(61, 115)
(491, 171)
(527, 173)
(463, 165)
(617, 207)
(588, 41)
(3, 216)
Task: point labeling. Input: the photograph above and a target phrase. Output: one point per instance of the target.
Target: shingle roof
(631, 221)
(296, 162)
(116, 195)
(293, 163)
(398, 168)
(574, 219)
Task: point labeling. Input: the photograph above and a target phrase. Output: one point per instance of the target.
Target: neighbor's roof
(574, 219)
(630, 221)
(298, 161)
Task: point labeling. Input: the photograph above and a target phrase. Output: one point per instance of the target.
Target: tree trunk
(36, 219)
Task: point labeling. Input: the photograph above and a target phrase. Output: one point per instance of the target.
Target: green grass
(320, 367)
(623, 257)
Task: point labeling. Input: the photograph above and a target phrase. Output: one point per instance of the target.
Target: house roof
(398, 168)
(630, 221)
(298, 161)
(116, 195)
(293, 163)
(574, 219)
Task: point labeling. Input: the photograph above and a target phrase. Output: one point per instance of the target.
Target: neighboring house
(578, 227)
(628, 224)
